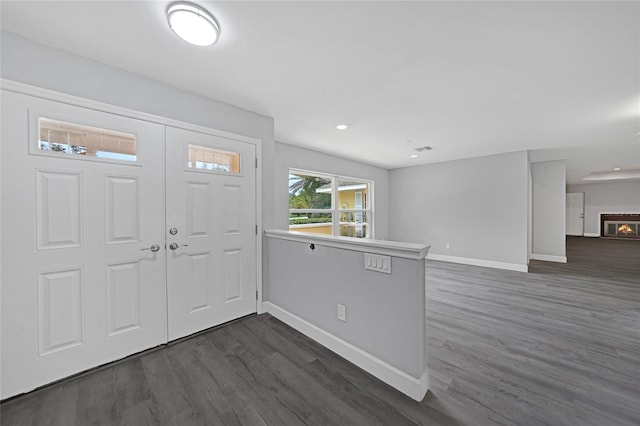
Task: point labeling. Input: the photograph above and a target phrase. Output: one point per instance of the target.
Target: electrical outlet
(447, 245)
(342, 313)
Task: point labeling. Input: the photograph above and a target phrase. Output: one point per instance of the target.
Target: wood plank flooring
(557, 346)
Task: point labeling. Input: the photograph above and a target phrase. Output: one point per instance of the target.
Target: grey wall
(31, 63)
(289, 156)
(549, 208)
(478, 205)
(385, 313)
(607, 197)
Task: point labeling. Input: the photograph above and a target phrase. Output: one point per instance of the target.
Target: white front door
(211, 230)
(82, 203)
(575, 213)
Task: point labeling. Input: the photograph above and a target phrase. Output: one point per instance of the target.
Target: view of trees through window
(331, 205)
(303, 195)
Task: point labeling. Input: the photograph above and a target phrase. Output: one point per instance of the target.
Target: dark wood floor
(557, 346)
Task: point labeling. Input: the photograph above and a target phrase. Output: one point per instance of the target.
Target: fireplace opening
(625, 230)
(620, 226)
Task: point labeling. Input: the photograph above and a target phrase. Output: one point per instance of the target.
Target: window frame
(335, 209)
(80, 118)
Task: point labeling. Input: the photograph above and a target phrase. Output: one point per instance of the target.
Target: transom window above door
(213, 159)
(80, 141)
(328, 204)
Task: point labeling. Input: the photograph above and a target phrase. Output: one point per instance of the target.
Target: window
(206, 158)
(59, 137)
(331, 205)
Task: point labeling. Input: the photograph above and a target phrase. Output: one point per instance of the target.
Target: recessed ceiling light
(617, 168)
(341, 127)
(193, 24)
(414, 156)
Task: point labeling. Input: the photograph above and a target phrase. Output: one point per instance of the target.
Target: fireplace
(620, 225)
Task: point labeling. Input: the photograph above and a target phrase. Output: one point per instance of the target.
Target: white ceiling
(467, 78)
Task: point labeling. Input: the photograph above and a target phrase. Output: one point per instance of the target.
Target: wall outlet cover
(342, 313)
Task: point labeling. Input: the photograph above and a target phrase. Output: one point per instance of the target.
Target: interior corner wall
(479, 206)
(289, 156)
(31, 63)
(549, 210)
(607, 197)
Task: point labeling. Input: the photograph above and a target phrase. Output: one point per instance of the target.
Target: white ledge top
(388, 248)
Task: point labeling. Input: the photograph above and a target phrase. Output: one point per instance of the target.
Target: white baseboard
(592, 234)
(549, 258)
(410, 386)
(479, 262)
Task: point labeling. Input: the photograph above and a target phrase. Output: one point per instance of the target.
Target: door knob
(176, 246)
(154, 248)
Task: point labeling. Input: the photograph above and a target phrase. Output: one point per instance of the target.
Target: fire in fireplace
(620, 225)
(625, 230)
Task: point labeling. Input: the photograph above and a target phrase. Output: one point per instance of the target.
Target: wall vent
(423, 148)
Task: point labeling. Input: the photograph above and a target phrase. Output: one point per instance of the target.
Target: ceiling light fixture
(193, 24)
(616, 169)
(414, 156)
(341, 127)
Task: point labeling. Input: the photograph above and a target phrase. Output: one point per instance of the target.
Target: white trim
(479, 262)
(408, 385)
(591, 234)
(323, 190)
(387, 248)
(258, 236)
(548, 258)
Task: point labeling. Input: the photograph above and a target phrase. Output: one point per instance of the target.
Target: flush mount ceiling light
(341, 127)
(193, 24)
(414, 156)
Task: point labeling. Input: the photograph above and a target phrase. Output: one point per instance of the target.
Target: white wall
(384, 332)
(607, 197)
(289, 156)
(549, 210)
(478, 205)
(35, 64)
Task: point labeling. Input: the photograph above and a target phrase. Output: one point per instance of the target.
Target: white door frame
(52, 95)
(570, 196)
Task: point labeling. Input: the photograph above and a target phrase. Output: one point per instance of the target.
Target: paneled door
(575, 213)
(211, 230)
(83, 259)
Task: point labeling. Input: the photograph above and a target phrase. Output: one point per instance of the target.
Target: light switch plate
(377, 262)
(342, 313)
